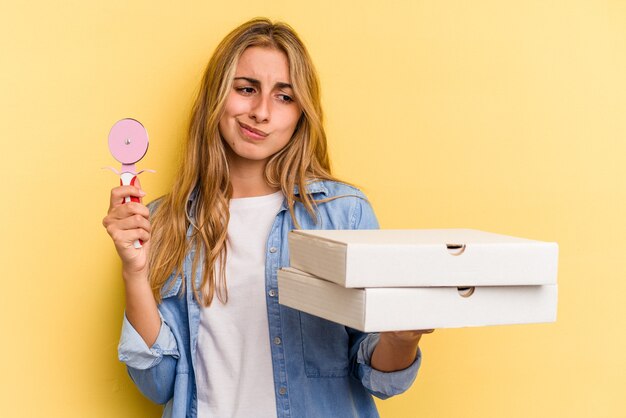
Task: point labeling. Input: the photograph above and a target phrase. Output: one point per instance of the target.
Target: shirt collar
(313, 187)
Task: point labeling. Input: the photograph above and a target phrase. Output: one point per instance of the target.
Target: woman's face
(260, 114)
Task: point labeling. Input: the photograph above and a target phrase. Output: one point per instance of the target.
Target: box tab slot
(455, 249)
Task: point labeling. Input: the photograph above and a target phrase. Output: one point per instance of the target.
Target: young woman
(203, 331)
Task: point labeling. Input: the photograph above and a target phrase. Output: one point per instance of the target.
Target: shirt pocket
(324, 346)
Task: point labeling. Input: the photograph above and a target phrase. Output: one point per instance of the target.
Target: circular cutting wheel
(128, 141)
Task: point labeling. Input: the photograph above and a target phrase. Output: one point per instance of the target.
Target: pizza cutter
(128, 143)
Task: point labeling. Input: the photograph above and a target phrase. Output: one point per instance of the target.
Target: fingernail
(142, 193)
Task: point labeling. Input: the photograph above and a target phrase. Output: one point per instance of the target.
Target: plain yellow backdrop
(507, 116)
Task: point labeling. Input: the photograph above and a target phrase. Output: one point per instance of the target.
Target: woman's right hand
(125, 223)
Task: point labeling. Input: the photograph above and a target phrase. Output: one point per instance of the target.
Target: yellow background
(507, 116)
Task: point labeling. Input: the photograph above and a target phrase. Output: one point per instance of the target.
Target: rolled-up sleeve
(383, 384)
(134, 351)
(380, 384)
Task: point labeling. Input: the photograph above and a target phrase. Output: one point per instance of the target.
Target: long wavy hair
(204, 168)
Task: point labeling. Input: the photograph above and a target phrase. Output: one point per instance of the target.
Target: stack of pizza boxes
(393, 280)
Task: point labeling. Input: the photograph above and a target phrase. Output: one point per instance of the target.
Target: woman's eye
(245, 90)
(285, 98)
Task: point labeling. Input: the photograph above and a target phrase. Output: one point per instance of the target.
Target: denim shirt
(321, 369)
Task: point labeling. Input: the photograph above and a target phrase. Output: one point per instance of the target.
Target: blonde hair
(204, 167)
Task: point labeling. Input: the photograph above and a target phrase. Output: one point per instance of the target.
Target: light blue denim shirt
(321, 369)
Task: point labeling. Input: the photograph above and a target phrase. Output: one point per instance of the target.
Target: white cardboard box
(422, 258)
(397, 309)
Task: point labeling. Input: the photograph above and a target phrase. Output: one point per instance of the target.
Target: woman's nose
(260, 110)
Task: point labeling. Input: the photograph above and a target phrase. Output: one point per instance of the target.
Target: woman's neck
(248, 180)
(249, 186)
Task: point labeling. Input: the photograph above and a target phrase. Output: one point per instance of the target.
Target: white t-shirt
(234, 366)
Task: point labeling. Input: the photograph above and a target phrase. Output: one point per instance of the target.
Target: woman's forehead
(265, 64)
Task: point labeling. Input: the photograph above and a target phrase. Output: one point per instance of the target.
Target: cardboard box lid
(423, 257)
(414, 237)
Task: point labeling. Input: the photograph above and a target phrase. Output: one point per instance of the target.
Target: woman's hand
(125, 223)
(397, 350)
(406, 337)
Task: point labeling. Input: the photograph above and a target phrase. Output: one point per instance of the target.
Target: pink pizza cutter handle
(129, 179)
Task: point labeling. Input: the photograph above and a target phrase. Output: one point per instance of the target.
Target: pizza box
(422, 258)
(397, 309)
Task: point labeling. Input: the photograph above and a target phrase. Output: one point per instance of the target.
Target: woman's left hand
(396, 350)
(405, 337)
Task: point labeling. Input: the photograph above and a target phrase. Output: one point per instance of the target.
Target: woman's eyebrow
(256, 82)
(284, 85)
(249, 80)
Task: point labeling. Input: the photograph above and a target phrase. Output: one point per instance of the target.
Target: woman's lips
(250, 132)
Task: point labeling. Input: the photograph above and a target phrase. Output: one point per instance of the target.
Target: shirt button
(272, 292)
(277, 340)
(282, 391)
(273, 250)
